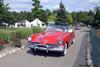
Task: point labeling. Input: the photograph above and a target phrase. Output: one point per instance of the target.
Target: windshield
(57, 28)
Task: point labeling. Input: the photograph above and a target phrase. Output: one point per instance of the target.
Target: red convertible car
(55, 38)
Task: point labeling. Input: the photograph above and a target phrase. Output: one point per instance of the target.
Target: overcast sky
(70, 5)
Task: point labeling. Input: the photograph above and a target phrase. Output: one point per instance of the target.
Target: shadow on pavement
(44, 53)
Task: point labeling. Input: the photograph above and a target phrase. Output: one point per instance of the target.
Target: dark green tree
(43, 16)
(69, 19)
(48, 12)
(61, 15)
(52, 17)
(74, 16)
(97, 15)
(91, 16)
(37, 8)
(38, 12)
(55, 11)
(5, 15)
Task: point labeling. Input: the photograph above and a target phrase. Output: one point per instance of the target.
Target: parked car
(56, 38)
(78, 27)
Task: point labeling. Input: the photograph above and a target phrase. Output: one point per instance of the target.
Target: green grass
(6, 34)
(15, 35)
(37, 29)
(24, 32)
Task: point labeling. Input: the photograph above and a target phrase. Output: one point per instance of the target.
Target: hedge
(24, 32)
(15, 35)
(37, 29)
(4, 35)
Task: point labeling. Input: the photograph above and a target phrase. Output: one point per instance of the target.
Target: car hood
(48, 37)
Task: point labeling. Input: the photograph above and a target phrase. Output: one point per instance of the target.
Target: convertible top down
(54, 38)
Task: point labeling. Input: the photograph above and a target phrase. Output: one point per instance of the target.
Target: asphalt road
(26, 58)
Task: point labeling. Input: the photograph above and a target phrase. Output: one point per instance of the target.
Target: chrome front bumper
(46, 48)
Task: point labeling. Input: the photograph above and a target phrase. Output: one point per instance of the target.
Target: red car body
(51, 40)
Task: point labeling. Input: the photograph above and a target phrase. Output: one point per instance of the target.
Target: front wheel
(65, 52)
(65, 49)
(33, 50)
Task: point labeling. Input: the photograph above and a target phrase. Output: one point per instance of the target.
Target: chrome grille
(35, 43)
(44, 46)
(52, 45)
(41, 46)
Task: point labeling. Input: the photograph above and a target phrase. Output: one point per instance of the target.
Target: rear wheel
(73, 41)
(67, 45)
(33, 51)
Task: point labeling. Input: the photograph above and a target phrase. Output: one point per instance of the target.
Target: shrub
(16, 39)
(1, 43)
(1, 47)
(4, 35)
(24, 32)
(20, 33)
(37, 29)
(15, 35)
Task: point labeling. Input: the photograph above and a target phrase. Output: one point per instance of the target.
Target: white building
(37, 22)
(28, 24)
(16, 25)
(24, 23)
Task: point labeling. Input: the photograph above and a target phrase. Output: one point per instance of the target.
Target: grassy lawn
(15, 35)
(6, 34)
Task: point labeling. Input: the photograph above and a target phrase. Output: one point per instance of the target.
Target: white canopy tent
(25, 22)
(28, 24)
(16, 25)
(37, 22)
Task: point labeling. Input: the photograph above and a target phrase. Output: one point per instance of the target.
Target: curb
(11, 51)
(89, 51)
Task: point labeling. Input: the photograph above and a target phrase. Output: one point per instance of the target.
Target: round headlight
(29, 38)
(60, 42)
